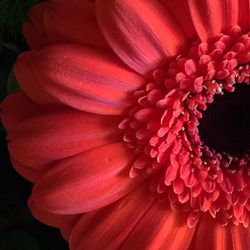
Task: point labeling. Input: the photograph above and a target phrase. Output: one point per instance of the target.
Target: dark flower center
(225, 125)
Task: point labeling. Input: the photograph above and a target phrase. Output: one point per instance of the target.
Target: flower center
(225, 124)
(189, 130)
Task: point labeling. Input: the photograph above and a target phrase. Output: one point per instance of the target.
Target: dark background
(18, 229)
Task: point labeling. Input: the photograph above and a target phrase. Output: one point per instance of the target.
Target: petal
(180, 10)
(74, 22)
(87, 181)
(56, 135)
(108, 227)
(210, 18)
(34, 32)
(31, 174)
(62, 221)
(243, 15)
(160, 228)
(151, 225)
(16, 108)
(240, 237)
(87, 79)
(142, 33)
(38, 137)
(61, 22)
(218, 237)
(53, 220)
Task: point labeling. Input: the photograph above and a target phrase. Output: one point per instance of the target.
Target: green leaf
(12, 84)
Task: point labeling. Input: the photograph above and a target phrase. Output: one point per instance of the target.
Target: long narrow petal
(61, 22)
(240, 237)
(134, 222)
(79, 76)
(56, 135)
(211, 17)
(54, 220)
(243, 15)
(39, 137)
(180, 10)
(63, 221)
(31, 174)
(142, 33)
(87, 181)
(16, 108)
(160, 228)
(108, 227)
(218, 237)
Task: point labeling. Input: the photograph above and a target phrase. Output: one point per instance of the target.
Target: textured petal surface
(161, 228)
(134, 222)
(243, 15)
(108, 227)
(63, 21)
(87, 181)
(31, 174)
(180, 11)
(64, 222)
(54, 220)
(16, 108)
(40, 137)
(79, 76)
(210, 18)
(142, 33)
(218, 237)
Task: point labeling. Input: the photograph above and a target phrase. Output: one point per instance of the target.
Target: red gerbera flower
(133, 122)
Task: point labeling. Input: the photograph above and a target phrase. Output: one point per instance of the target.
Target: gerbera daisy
(133, 122)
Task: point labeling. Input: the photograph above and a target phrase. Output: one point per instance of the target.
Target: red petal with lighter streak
(108, 227)
(142, 33)
(152, 226)
(87, 79)
(38, 137)
(210, 18)
(86, 181)
(218, 237)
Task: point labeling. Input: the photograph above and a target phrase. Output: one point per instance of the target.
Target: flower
(116, 122)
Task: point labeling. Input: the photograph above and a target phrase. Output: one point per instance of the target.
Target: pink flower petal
(62, 221)
(180, 10)
(243, 15)
(86, 181)
(108, 227)
(218, 237)
(134, 222)
(87, 79)
(54, 220)
(210, 18)
(31, 174)
(40, 137)
(142, 33)
(160, 228)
